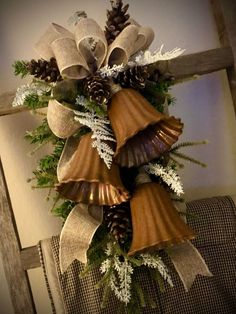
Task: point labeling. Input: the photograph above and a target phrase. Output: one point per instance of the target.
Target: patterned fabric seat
(214, 220)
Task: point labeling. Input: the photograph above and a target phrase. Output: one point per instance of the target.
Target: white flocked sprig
(168, 175)
(101, 133)
(120, 278)
(155, 261)
(119, 271)
(147, 57)
(26, 90)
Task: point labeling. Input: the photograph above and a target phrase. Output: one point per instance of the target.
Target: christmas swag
(115, 156)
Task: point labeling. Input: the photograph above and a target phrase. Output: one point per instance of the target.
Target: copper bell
(142, 133)
(156, 223)
(84, 177)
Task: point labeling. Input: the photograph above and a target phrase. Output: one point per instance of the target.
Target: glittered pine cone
(45, 70)
(134, 77)
(97, 89)
(116, 20)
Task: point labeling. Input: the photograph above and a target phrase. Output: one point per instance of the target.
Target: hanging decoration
(114, 163)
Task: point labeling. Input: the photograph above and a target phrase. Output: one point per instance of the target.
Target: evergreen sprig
(21, 68)
(174, 153)
(63, 209)
(188, 158)
(84, 104)
(157, 93)
(42, 134)
(187, 144)
(34, 101)
(46, 172)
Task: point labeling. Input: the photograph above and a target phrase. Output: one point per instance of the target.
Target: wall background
(204, 105)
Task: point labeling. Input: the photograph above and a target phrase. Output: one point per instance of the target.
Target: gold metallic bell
(142, 133)
(84, 177)
(156, 223)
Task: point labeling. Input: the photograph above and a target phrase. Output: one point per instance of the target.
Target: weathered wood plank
(225, 16)
(5, 104)
(17, 278)
(30, 258)
(201, 63)
(182, 67)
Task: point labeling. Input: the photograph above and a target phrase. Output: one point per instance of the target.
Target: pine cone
(45, 70)
(97, 88)
(117, 20)
(133, 77)
(118, 220)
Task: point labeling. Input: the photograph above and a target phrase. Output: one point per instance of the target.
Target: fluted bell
(155, 221)
(84, 177)
(142, 133)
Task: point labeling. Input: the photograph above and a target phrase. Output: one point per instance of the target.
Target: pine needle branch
(42, 134)
(188, 158)
(106, 294)
(188, 144)
(63, 209)
(34, 101)
(20, 68)
(138, 289)
(46, 172)
(84, 104)
(158, 279)
(176, 162)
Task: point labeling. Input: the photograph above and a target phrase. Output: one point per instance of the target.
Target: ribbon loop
(91, 41)
(70, 62)
(123, 46)
(66, 157)
(54, 31)
(61, 119)
(145, 38)
(77, 234)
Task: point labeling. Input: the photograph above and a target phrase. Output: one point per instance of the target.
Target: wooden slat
(201, 63)
(30, 258)
(17, 278)
(225, 16)
(5, 104)
(184, 66)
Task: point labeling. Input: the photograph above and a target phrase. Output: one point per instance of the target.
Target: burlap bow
(86, 50)
(82, 53)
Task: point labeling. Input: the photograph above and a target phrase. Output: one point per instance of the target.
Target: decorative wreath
(115, 156)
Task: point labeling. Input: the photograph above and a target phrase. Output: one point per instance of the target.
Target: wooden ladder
(17, 260)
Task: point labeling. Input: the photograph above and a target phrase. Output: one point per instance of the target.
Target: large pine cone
(97, 89)
(45, 70)
(117, 20)
(134, 77)
(118, 220)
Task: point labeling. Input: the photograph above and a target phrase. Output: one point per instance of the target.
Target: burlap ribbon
(188, 263)
(186, 259)
(61, 119)
(86, 50)
(77, 234)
